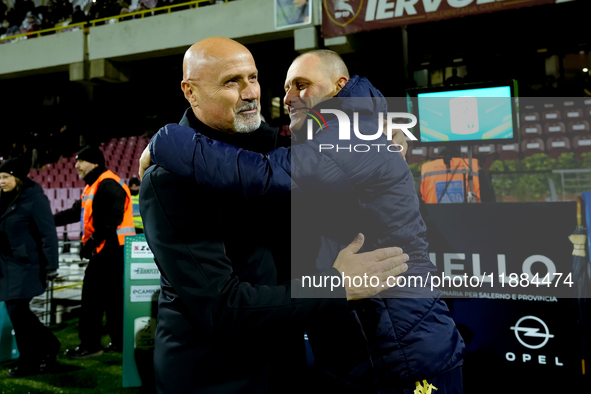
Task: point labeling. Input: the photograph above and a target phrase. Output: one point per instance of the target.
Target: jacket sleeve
(108, 209)
(46, 226)
(197, 267)
(67, 216)
(221, 166)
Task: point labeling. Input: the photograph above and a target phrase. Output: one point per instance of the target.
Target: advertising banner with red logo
(342, 17)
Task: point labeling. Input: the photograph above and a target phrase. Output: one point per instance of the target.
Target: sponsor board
(143, 293)
(141, 250)
(144, 271)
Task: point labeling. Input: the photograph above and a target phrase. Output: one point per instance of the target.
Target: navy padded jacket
(406, 333)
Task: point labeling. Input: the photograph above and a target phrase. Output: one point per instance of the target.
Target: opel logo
(531, 332)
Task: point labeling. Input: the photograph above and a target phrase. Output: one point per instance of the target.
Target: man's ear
(341, 82)
(188, 91)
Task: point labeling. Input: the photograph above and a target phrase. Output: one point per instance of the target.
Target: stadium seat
(414, 155)
(570, 103)
(531, 130)
(581, 144)
(508, 151)
(531, 147)
(554, 128)
(62, 194)
(549, 103)
(557, 146)
(573, 113)
(434, 153)
(551, 115)
(530, 117)
(484, 149)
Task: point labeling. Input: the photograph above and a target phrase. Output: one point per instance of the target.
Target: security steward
(106, 214)
(134, 188)
(446, 180)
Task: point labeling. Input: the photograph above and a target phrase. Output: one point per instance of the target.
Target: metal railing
(39, 32)
(574, 181)
(65, 292)
(117, 18)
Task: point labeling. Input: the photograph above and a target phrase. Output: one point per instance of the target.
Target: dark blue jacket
(404, 335)
(28, 244)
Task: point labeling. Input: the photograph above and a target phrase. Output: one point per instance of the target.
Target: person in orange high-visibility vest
(446, 180)
(105, 211)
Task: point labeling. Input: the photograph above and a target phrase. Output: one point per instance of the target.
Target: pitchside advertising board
(142, 286)
(519, 339)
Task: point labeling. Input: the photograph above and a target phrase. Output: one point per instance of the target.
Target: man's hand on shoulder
(145, 161)
(385, 264)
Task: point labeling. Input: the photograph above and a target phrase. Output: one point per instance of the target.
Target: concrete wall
(42, 54)
(247, 21)
(175, 32)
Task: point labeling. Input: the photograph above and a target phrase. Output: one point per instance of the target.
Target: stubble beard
(247, 123)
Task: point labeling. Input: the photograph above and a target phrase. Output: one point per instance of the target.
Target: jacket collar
(93, 175)
(262, 140)
(28, 186)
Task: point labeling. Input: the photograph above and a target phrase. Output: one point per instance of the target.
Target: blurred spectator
(4, 27)
(30, 24)
(28, 254)
(454, 79)
(134, 189)
(78, 16)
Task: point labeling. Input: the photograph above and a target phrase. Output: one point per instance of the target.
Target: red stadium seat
(530, 117)
(62, 194)
(531, 147)
(578, 126)
(554, 128)
(573, 113)
(581, 144)
(484, 149)
(508, 151)
(551, 115)
(557, 146)
(50, 193)
(531, 130)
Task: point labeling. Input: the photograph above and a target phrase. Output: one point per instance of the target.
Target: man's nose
(287, 98)
(250, 92)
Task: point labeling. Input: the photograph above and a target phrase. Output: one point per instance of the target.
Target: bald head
(331, 62)
(220, 81)
(207, 52)
(311, 79)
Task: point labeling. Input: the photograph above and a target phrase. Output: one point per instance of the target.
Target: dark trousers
(102, 292)
(34, 340)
